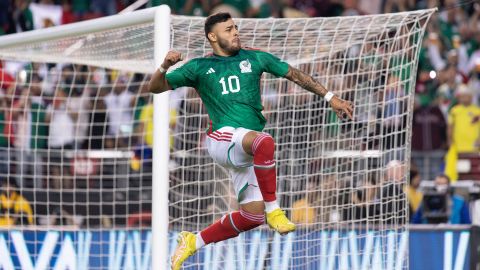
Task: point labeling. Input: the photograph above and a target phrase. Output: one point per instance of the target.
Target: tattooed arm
(340, 106)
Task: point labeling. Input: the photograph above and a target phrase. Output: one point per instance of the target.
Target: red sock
(263, 149)
(231, 225)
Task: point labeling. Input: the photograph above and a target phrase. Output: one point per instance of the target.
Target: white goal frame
(160, 184)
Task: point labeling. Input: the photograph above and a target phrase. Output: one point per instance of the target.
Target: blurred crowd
(70, 108)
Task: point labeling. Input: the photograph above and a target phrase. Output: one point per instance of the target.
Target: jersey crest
(245, 66)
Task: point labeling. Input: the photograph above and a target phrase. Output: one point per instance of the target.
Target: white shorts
(225, 147)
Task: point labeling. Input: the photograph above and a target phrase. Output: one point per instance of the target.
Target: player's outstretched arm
(158, 83)
(340, 106)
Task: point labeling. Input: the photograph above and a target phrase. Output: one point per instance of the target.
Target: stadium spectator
(31, 132)
(6, 79)
(435, 49)
(319, 203)
(22, 16)
(474, 60)
(4, 136)
(454, 207)
(7, 137)
(428, 127)
(61, 138)
(237, 7)
(98, 121)
(390, 6)
(463, 46)
(119, 104)
(395, 172)
(394, 120)
(145, 125)
(196, 8)
(5, 17)
(463, 129)
(174, 5)
(351, 8)
(144, 129)
(103, 7)
(68, 16)
(61, 217)
(446, 99)
(139, 88)
(80, 8)
(14, 208)
(414, 195)
(313, 208)
(363, 203)
(474, 82)
(267, 8)
(370, 6)
(304, 210)
(62, 128)
(391, 195)
(78, 105)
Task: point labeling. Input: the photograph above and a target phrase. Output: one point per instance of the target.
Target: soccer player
(228, 82)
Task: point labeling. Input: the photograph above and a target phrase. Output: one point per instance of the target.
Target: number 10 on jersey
(233, 84)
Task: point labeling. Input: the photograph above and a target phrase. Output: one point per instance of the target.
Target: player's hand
(171, 59)
(342, 108)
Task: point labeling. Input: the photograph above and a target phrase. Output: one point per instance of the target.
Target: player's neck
(222, 53)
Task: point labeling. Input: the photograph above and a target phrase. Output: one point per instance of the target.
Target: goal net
(76, 141)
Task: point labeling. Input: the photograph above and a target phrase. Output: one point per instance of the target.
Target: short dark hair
(413, 174)
(444, 176)
(214, 19)
(8, 181)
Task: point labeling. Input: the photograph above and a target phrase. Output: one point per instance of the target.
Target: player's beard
(229, 47)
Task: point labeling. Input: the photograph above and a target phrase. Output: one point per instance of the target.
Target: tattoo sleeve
(305, 81)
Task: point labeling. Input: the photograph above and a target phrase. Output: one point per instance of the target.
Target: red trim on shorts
(221, 136)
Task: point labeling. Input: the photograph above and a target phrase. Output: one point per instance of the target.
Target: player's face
(227, 36)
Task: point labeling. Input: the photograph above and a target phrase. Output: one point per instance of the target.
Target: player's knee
(263, 143)
(254, 207)
(251, 220)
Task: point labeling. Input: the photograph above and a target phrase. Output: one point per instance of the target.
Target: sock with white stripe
(263, 148)
(199, 241)
(231, 225)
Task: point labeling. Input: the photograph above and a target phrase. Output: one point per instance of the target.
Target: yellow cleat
(279, 222)
(186, 247)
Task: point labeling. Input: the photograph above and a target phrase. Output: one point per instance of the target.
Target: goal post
(72, 44)
(161, 148)
(338, 180)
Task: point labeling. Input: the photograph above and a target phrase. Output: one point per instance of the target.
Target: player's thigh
(239, 155)
(245, 185)
(254, 207)
(225, 146)
(218, 144)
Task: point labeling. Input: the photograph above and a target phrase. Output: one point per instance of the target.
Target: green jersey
(230, 86)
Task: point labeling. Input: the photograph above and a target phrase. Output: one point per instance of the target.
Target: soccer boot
(279, 222)
(186, 247)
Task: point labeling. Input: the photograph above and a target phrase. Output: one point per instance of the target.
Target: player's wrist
(162, 69)
(328, 96)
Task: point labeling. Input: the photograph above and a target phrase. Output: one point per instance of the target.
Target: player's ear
(212, 37)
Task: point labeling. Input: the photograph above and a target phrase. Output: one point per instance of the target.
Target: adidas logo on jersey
(210, 71)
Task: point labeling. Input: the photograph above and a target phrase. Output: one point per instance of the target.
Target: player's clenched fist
(171, 59)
